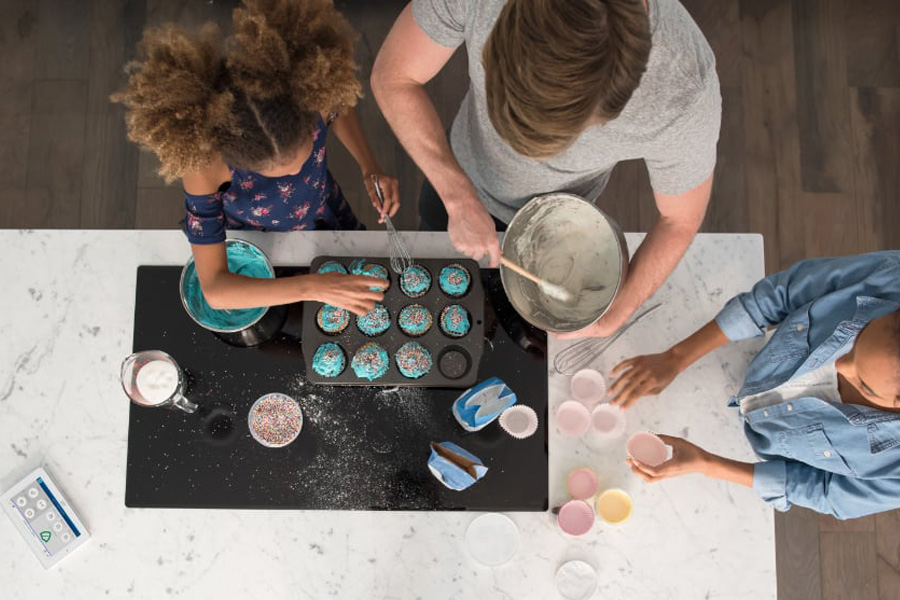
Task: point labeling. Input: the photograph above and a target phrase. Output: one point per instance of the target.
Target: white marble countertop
(68, 315)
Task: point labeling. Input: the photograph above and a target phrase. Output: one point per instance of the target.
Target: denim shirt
(836, 458)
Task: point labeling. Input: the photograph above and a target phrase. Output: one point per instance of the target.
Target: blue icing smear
(414, 320)
(455, 321)
(375, 322)
(455, 280)
(329, 360)
(415, 281)
(370, 361)
(361, 267)
(332, 319)
(413, 360)
(332, 266)
(243, 259)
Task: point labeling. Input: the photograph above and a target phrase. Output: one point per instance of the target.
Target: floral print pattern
(311, 199)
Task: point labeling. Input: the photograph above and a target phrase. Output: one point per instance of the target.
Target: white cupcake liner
(510, 417)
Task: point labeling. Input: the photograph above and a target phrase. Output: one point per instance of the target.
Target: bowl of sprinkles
(275, 420)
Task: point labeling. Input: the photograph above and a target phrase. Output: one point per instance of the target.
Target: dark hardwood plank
(873, 42)
(159, 208)
(849, 566)
(875, 119)
(55, 156)
(797, 555)
(831, 227)
(18, 40)
(148, 170)
(822, 96)
(110, 180)
(719, 20)
(861, 524)
(63, 50)
(190, 14)
(728, 210)
(772, 159)
(887, 545)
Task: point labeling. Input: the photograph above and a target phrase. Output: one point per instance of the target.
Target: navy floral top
(311, 199)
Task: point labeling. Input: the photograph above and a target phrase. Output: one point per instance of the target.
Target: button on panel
(21, 501)
(32, 493)
(57, 526)
(51, 516)
(41, 504)
(29, 513)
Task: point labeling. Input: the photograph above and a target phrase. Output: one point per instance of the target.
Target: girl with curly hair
(243, 125)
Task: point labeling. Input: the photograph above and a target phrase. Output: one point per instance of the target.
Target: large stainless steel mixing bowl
(568, 241)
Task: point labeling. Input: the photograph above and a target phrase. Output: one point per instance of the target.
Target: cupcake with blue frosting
(414, 320)
(331, 266)
(415, 281)
(332, 320)
(455, 280)
(370, 362)
(375, 322)
(361, 267)
(329, 360)
(413, 360)
(455, 321)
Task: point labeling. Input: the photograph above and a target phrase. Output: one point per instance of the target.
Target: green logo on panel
(45, 535)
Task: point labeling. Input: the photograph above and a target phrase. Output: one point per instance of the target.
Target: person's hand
(346, 291)
(686, 459)
(473, 233)
(642, 376)
(389, 189)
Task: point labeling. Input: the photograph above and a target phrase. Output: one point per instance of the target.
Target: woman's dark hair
(253, 99)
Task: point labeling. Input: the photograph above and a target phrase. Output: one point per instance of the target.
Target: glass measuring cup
(153, 379)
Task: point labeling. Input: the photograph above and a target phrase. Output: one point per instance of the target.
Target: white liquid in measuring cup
(157, 381)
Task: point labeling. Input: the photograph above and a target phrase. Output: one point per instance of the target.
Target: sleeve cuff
(736, 323)
(770, 481)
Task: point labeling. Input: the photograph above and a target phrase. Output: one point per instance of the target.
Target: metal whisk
(582, 353)
(400, 257)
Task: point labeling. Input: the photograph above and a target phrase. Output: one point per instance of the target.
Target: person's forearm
(650, 266)
(726, 469)
(348, 130)
(698, 344)
(412, 116)
(230, 291)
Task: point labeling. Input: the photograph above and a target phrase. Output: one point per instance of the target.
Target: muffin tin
(455, 359)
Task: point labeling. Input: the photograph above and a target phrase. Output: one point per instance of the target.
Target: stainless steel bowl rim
(190, 262)
(621, 249)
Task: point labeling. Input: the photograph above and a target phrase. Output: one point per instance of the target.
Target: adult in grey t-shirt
(671, 121)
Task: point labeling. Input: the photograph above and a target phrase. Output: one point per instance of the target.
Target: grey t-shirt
(672, 120)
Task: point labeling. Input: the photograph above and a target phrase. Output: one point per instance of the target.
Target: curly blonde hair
(251, 100)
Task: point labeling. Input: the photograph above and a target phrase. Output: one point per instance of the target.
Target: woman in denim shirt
(821, 401)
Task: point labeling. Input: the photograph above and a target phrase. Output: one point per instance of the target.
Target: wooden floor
(809, 156)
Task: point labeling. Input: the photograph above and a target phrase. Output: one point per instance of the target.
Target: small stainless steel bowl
(261, 329)
(568, 241)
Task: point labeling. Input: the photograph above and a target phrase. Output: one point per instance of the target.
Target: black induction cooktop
(361, 448)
